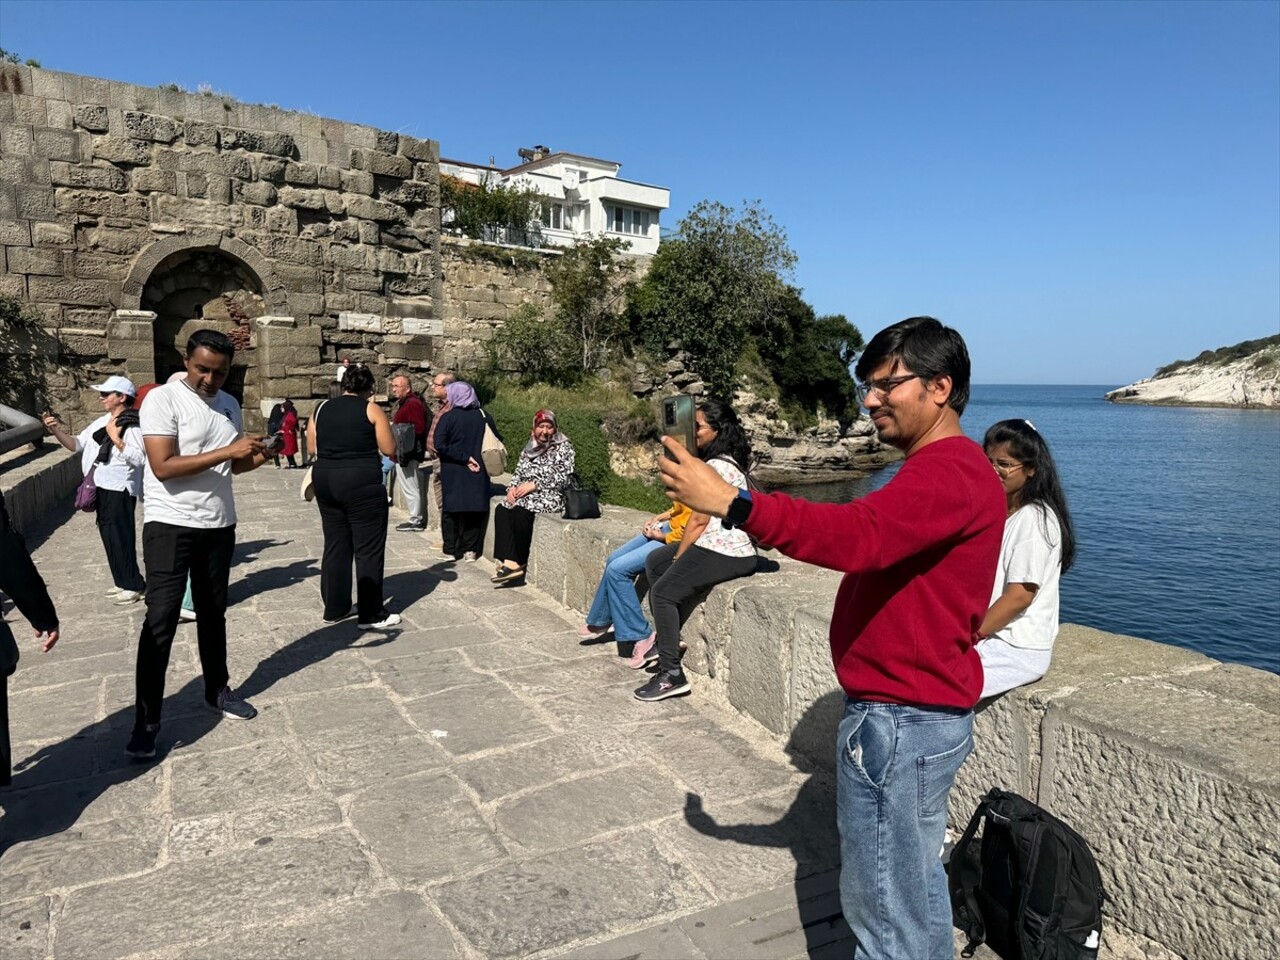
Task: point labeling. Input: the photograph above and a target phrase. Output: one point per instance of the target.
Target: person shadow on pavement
(808, 827)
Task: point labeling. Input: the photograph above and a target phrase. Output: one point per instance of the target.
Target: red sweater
(412, 411)
(919, 558)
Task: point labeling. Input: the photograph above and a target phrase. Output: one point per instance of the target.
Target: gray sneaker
(231, 706)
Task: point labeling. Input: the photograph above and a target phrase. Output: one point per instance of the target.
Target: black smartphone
(677, 421)
(274, 443)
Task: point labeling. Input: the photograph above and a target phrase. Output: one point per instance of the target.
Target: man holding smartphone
(195, 443)
(919, 558)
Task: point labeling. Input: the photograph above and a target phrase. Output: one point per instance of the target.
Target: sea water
(1176, 512)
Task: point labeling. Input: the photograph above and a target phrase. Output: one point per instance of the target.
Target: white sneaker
(113, 593)
(127, 597)
(187, 616)
(470, 557)
(390, 620)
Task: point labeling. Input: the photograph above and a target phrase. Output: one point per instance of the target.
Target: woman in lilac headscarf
(459, 437)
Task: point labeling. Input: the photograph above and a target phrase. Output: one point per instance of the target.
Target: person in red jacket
(919, 558)
(410, 410)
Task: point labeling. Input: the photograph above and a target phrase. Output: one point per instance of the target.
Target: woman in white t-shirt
(707, 554)
(113, 443)
(1015, 641)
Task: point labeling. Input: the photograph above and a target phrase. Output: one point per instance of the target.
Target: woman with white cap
(113, 443)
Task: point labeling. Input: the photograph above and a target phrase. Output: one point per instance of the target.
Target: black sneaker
(665, 684)
(142, 744)
(231, 706)
(346, 616)
(411, 527)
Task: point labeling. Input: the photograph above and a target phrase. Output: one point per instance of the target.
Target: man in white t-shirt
(342, 369)
(194, 440)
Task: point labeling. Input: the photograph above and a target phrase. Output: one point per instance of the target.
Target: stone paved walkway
(473, 784)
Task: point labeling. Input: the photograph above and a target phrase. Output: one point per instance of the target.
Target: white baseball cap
(117, 385)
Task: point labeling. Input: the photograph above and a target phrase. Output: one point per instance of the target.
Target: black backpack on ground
(1029, 888)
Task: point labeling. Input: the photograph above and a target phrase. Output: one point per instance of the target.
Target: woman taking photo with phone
(709, 553)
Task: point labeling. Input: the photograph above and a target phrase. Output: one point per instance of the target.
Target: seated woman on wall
(464, 484)
(537, 486)
(708, 554)
(616, 602)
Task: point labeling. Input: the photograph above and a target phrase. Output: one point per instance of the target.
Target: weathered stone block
(16, 140)
(122, 150)
(329, 177)
(91, 117)
(282, 220)
(287, 250)
(61, 290)
(307, 304)
(15, 233)
(95, 178)
(218, 188)
(382, 164)
(368, 282)
(60, 114)
(202, 212)
(415, 149)
(350, 258)
(256, 141)
(35, 203)
(111, 240)
(301, 174)
(334, 203)
(257, 193)
(13, 285)
(155, 181)
(197, 184)
(366, 208)
(357, 181)
(272, 169)
(94, 204)
(90, 266)
(145, 126)
(34, 261)
(200, 134)
(226, 165)
(56, 144)
(413, 192)
(301, 199)
(30, 110)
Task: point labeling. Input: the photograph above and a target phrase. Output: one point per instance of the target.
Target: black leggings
(673, 582)
(353, 515)
(513, 533)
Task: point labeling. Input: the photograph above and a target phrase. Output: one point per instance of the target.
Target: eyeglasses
(881, 388)
(1006, 467)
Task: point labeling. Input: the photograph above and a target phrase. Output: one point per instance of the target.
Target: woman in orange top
(616, 604)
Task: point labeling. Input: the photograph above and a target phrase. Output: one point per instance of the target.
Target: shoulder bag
(580, 503)
(308, 484)
(492, 451)
(87, 492)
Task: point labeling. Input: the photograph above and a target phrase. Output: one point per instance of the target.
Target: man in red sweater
(919, 558)
(411, 411)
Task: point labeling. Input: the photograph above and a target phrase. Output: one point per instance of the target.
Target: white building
(584, 196)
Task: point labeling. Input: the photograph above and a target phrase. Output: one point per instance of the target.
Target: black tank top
(343, 431)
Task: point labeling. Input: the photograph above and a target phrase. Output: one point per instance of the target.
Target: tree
(809, 358)
(492, 211)
(719, 281)
(538, 349)
(589, 286)
(29, 354)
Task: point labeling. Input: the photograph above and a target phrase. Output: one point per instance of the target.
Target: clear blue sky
(1086, 190)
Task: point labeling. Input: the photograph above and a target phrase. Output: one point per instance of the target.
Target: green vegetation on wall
(1222, 355)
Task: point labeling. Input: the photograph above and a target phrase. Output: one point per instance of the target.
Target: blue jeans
(894, 768)
(616, 601)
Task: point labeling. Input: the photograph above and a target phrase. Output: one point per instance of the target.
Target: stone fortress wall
(130, 215)
(1166, 760)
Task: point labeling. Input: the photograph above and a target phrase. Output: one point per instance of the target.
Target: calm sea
(1176, 509)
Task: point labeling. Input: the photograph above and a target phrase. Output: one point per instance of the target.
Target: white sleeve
(158, 418)
(84, 438)
(1035, 549)
(134, 453)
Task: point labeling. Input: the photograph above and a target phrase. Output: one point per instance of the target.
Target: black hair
(211, 340)
(731, 441)
(1043, 487)
(925, 347)
(335, 389)
(358, 380)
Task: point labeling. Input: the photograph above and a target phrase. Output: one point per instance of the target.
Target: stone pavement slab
(473, 783)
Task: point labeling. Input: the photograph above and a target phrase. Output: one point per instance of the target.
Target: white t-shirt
(1031, 552)
(200, 424)
(123, 471)
(730, 543)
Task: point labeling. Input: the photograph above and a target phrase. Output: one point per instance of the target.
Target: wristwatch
(739, 509)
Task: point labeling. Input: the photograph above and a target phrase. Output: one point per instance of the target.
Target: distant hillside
(1244, 375)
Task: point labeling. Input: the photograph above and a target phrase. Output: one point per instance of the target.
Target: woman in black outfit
(347, 434)
(459, 437)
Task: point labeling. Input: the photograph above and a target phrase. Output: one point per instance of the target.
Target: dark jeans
(353, 515)
(672, 582)
(513, 534)
(467, 528)
(116, 527)
(171, 553)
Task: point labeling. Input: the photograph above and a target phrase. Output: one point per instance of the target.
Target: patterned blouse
(550, 472)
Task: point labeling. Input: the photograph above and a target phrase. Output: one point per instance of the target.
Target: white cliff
(1249, 381)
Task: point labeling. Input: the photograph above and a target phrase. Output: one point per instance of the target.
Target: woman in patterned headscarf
(537, 486)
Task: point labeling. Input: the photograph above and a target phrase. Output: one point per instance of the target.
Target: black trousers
(353, 515)
(468, 528)
(116, 527)
(513, 533)
(672, 582)
(171, 554)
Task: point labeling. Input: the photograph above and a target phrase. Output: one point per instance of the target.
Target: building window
(629, 220)
(554, 216)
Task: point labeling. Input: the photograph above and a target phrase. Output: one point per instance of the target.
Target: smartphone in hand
(274, 444)
(677, 421)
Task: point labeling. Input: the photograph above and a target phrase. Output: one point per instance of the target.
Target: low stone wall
(1166, 760)
(39, 486)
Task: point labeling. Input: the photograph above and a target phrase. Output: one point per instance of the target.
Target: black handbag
(580, 503)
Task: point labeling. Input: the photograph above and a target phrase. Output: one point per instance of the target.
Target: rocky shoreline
(1249, 382)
